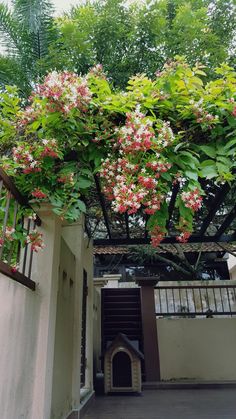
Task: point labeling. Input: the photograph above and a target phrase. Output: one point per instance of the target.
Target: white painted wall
(39, 331)
(18, 344)
(197, 349)
(63, 355)
(232, 266)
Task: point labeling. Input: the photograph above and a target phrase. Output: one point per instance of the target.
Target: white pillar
(112, 280)
(73, 236)
(45, 274)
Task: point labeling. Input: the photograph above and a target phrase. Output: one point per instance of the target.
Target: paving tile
(167, 404)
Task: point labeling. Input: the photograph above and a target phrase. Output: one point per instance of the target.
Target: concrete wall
(40, 332)
(82, 248)
(232, 266)
(197, 349)
(63, 354)
(18, 344)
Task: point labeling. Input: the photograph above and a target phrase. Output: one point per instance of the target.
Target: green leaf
(208, 169)
(83, 183)
(81, 205)
(210, 151)
(191, 175)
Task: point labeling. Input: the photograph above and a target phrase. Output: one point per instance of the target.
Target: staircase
(121, 313)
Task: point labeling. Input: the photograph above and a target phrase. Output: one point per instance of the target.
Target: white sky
(60, 5)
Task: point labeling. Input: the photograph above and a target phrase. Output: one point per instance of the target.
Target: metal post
(150, 337)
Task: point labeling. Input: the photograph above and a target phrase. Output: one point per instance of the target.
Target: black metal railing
(195, 301)
(16, 222)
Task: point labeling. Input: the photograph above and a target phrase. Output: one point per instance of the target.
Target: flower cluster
(184, 236)
(24, 158)
(66, 179)
(9, 233)
(165, 135)
(192, 199)
(65, 91)
(137, 134)
(98, 71)
(202, 116)
(38, 194)
(132, 175)
(127, 198)
(35, 239)
(157, 235)
(29, 157)
(50, 149)
(153, 202)
(158, 166)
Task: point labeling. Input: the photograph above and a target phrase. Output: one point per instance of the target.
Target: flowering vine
(160, 133)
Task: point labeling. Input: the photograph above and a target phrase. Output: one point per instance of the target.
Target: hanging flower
(36, 240)
(37, 193)
(192, 199)
(9, 233)
(157, 235)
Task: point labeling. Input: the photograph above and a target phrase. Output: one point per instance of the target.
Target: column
(149, 324)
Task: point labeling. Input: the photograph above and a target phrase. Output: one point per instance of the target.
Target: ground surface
(167, 404)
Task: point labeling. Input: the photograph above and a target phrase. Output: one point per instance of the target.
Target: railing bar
(196, 314)
(194, 302)
(186, 291)
(214, 295)
(201, 299)
(234, 294)
(26, 247)
(173, 298)
(180, 299)
(13, 226)
(31, 258)
(5, 221)
(208, 301)
(160, 301)
(221, 301)
(229, 301)
(15, 214)
(30, 263)
(167, 304)
(9, 185)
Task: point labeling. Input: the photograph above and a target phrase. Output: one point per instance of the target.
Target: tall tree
(141, 37)
(26, 33)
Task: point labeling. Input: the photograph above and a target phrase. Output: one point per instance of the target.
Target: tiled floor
(167, 404)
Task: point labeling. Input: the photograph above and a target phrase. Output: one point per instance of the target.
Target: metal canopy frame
(215, 197)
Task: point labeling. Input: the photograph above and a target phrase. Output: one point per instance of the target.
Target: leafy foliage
(174, 128)
(141, 37)
(26, 32)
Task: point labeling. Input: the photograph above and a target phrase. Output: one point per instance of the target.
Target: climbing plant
(172, 129)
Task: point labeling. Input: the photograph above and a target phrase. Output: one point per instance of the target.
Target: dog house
(122, 366)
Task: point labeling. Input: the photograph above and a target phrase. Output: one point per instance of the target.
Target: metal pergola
(215, 222)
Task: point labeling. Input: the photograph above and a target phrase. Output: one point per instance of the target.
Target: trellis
(119, 229)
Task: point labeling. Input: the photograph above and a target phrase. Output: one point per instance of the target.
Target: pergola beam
(215, 205)
(226, 223)
(171, 208)
(167, 240)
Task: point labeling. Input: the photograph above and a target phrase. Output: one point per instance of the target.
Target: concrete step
(187, 384)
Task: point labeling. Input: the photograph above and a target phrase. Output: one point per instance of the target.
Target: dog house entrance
(121, 370)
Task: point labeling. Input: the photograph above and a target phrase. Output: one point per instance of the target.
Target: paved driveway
(167, 404)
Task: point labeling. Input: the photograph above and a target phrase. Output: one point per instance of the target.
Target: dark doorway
(121, 368)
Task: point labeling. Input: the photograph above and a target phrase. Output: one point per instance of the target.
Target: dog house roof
(129, 343)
